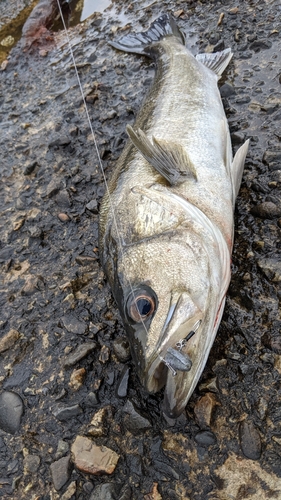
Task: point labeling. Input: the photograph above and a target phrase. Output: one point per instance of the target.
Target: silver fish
(166, 222)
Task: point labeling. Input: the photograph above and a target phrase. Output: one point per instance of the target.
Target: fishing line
(97, 150)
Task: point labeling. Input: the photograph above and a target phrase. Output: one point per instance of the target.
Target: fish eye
(141, 305)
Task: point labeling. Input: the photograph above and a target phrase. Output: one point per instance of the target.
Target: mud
(54, 296)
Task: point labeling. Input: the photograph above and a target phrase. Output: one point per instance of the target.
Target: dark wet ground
(54, 297)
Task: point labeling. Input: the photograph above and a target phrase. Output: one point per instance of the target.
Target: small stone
(266, 210)
(237, 138)
(258, 45)
(62, 199)
(272, 159)
(106, 491)
(154, 494)
(43, 53)
(104, 354)
(70, 492)
(204, 408)
(92, 206)
(8, 340)
(31, 463)
(63, 217)
(271, 269)
(11, 410)
(60, 471)
(179, 13)
(93, 459)
(121, 349)
(31, 166)
(205, 438)
(53, 188)
(31, 285)
(91, 400)
(64, 413)
(77, 378)
(73, 324)
(250, 440)
(62, 449)
(227, 89)
(122, 386)
(80, 353)
(85, 260)
(133, 421)
(97, 424)
(211, 384)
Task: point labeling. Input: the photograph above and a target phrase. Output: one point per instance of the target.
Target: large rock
(93, 459)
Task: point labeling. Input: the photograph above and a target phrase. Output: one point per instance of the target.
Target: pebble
(53, 188)
(63, 199)
(31, 463)
(122, 386)
(62, 449)
(93, 459)
(60, 471)
(8, 340)
(258, 45)
(92, 206)
(63, 217)
(77, 378)
(11, 410)
(64, 413)
(154, 494)
(271, 268)
(31, 166)
(85, 260)
(97, 424)
(80, 353)
(205, 438)
(70, 492)
(91, 400)
(104, 354)
(73, 324)
(204, 408)
(121, 349)
(272, 159)
(250, 440)
(106, 491)
(266, 210)
(133, 421)
(226, 90)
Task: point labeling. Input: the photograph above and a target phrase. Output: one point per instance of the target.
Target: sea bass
(166, 221)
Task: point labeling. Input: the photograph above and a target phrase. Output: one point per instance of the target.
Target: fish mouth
(180, 359)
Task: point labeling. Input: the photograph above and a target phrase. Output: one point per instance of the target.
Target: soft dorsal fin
(237, 167)
(216, 61)
(168, 158)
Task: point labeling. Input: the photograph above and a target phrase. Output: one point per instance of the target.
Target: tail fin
(140, 43)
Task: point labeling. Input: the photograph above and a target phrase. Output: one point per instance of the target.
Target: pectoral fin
(237, 167)
(168, 158)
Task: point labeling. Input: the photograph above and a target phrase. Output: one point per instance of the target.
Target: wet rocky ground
(74, 421)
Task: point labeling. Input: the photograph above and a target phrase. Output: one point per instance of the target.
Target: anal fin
(168, 158)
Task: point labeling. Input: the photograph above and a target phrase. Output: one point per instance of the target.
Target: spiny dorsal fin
(237, 167)
(168, 158)
(216, 61)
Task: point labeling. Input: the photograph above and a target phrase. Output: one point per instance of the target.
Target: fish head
(168, 284)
